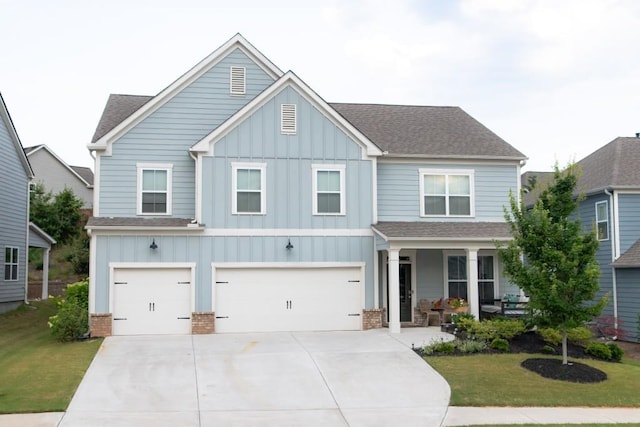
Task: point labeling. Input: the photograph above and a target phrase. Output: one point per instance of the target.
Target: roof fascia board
(454, 157)
(13, 134)
(117, 229)
(448, 161)
(205, 145)
(62, 162)
(186, 79)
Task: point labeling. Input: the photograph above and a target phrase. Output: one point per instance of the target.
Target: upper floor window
(237, 81)
(446, 193)
(328, 189)
(154, 189)
(11, 263)
(249, 194)
(288, 119)
(602, 220)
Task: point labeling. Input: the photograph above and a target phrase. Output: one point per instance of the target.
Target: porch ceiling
(443, 231)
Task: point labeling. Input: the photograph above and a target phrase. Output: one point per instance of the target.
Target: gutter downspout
(614, 256)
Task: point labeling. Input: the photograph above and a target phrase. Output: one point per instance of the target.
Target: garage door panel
(293, 299)
(152, 301)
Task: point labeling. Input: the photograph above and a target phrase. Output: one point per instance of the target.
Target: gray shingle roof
(137, 222)
(629, 259)
(85, 173)
(423, 130)
(614, 165)
(444, 230)
(118, 108)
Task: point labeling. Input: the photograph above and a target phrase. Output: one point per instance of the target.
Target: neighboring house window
(328, 189)
(11, 263)
(154, 189)
(602, 220)
(249, 193)
(457, 276)
(237, 80)
(446, 193)
(288, 119)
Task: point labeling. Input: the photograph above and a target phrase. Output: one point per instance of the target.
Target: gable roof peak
(13, 135)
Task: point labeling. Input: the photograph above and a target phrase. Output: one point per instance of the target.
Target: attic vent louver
(288, 123)
(237, 80)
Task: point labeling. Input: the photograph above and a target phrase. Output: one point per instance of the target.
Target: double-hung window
(602, 220)
(446, 193)
(249, 192)
(11, 263)
(154, 189)
(328, 189)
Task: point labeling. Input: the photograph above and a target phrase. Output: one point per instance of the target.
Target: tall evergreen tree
(552, 260)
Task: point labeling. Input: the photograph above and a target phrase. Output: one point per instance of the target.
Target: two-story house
(237, 199)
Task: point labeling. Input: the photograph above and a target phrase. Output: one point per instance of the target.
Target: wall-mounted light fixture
(153, 244)
(289, 245)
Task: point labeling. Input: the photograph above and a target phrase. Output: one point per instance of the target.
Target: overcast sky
(557, 79)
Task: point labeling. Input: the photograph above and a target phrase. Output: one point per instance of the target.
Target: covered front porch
(434, 260)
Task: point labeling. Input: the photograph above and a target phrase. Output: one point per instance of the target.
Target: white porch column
(45, 273)
(472, 282)
(393, 302)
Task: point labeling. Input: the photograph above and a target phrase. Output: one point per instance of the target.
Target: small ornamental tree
(552, 260)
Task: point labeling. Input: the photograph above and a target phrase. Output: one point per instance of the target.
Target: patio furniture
(425, 309)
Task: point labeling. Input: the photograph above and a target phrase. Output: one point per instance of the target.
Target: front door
(405, 291)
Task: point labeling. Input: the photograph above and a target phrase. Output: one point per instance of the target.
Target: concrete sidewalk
(464, 416)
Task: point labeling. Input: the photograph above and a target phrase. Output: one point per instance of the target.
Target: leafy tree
(559, 270)
(59, 215)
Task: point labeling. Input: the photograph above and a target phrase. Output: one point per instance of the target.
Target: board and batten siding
(204, 250)
(629, 214)
(289, 178)
(168, 133)
(628, 286)
(399, 190)
(14, 184)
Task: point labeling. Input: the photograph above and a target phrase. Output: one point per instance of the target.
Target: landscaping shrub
(548, 349)
(550, 335)
(616, 352)
(471, 346)
(445, 347)
(500, 344)
(489, 330)
(599, 350)
(72, 319)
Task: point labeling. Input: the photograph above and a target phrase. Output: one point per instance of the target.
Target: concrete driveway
(365, 378)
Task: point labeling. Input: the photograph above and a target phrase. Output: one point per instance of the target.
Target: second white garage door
(288, 299)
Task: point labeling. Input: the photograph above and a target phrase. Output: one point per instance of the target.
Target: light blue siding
(628, 285)
(289, 178)
(629, 213)
(167, 134)
(399, 190)
(13, 215)
(205, 250)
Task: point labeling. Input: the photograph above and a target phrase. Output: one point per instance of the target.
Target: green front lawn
(38, 373)
(499, 380)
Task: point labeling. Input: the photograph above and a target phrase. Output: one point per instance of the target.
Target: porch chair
(425, 309)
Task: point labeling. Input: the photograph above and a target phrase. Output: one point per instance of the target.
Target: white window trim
(231, 80)
(262, 167)
(314, 190)
(606, 204)
(447, 172)
(155, 166)
(294, 111)
(14, 262)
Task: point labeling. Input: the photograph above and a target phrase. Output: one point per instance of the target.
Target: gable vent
(288, 124)
(238, 81)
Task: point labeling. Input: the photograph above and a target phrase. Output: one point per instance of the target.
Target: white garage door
(151, 301)
(288, 299)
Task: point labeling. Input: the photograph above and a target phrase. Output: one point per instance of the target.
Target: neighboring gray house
(237, 199)
(611, 183)
(17, 234)
(56, 174)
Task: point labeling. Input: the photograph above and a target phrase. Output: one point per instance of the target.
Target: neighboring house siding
(399, 190)
(628, 285)
(167, 134)
(55, 177)
(289, 178)
(13, 215)
(207, 250)
(629, 213)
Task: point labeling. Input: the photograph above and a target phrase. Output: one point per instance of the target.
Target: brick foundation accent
(203, 322)
(100, 324)
(372, 318)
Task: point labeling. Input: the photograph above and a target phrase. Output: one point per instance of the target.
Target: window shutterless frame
(602, 220)
(11, 257)
(328, 189)
(248, 188)
(154, 193)
(446, 193)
